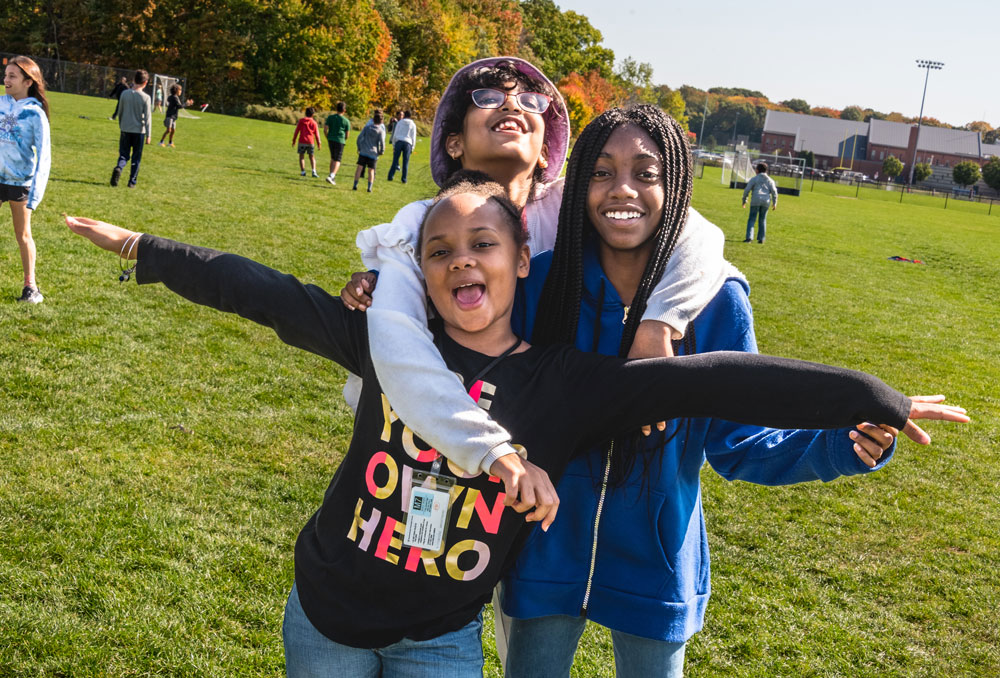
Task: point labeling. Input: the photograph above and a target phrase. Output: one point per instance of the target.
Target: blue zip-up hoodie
(25, 156)
(651, 563)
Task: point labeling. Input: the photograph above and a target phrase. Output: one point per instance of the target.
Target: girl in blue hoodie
(629, 550)
(24, 157)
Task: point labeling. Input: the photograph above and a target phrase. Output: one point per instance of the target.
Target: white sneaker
(31, 295)
(330, 180)
(315, 175)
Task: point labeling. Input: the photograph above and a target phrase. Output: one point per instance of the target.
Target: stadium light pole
(929, 66)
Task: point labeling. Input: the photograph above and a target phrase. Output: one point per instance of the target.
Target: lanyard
(436, 466)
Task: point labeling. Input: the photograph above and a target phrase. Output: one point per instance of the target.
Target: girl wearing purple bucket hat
(503, 117)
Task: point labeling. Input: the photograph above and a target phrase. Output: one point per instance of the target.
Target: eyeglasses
(531, 102)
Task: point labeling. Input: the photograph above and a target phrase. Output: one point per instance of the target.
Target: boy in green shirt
(337, 128)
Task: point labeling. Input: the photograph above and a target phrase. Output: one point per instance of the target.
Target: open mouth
(469, 295)
(510, 125)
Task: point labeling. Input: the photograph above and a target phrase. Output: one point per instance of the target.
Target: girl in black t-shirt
(367, 601)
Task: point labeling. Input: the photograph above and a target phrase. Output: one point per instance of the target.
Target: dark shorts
(170, 122)
(306, 148)
(14, 193)
(365, 161)
(336, 151)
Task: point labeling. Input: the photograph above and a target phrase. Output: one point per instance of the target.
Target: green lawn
(157, 459)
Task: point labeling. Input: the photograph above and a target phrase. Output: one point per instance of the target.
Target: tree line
(388, 53)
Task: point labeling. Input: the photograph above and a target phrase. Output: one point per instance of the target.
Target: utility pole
(929, 66)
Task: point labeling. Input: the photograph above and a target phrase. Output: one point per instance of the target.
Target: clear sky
(832, 53)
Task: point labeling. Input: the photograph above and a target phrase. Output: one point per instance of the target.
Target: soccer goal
(739, 166)
(166, 82)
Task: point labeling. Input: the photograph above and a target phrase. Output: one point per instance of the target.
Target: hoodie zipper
(597, 524)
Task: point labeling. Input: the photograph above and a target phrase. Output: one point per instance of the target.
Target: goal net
(166, 82)
(738, 167)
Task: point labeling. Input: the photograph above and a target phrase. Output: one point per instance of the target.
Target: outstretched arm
(301, 315)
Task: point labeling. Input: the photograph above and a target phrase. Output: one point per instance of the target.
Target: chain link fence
(87, 79)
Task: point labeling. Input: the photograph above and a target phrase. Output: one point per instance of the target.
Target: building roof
(823, 136)
(991, 149)
(932, 139)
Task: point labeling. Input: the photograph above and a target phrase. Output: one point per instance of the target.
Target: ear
(454, 146)
(524, 261)
(543, 158)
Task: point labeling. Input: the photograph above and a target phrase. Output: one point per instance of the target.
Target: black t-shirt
(173, 106)
(357, 583)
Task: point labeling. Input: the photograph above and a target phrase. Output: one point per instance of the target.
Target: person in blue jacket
(629, 550)
(24, 157)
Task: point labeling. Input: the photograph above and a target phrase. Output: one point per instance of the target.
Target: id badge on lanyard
(429, 508)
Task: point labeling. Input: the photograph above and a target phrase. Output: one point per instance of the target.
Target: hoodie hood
(556, 123)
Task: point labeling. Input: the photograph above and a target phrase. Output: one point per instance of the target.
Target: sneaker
(171, 144)
(330, 180)
(162, 144)
(131, 184)
(31, 295)
(369, 189)
(116, 174)
(748, 240)
(315, 175)
(303, 173)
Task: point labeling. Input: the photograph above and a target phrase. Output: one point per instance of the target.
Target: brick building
(863, 146)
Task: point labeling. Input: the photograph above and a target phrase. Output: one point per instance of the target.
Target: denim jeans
(310, 654)
(400, 148)
(544, 648)
(757, 213)
(131, 144)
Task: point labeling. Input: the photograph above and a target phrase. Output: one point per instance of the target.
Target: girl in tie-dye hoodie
(24, 157)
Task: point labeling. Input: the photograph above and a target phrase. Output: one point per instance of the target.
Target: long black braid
(559, 306)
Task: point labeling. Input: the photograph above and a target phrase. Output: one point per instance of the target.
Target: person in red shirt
(307, 135)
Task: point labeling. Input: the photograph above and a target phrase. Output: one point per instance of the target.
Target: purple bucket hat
(556, 126)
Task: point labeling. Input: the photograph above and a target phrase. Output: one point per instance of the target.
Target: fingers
(915, 433)
(871, 441)
(356, 295)
(930, 407)
(527, 487)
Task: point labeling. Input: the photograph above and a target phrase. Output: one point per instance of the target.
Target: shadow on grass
(79, 181)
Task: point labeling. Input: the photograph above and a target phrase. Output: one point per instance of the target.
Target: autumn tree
(965, 173)
(563, 42)
(797, 105)
(852, 113)
(922, 171)
(991, 173)
(892, 167)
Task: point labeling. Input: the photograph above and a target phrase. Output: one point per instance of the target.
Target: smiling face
(471, 262)
(625, 196)
(15, 81)
(499, 135)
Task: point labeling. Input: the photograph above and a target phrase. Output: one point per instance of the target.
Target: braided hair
(559, 306)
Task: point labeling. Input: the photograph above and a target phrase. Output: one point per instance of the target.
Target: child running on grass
(307, 133)
(174, 105)
(25, 157)
(407, 546)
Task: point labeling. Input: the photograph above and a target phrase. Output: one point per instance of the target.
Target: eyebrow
(443, 236)
(637, 156)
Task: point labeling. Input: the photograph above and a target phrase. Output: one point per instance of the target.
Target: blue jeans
(400, 148)
(310, 654)
(544, 648)
(757, 213)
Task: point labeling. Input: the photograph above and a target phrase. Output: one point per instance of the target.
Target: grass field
(157, 459)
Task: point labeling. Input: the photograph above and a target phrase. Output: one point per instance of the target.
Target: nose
(511, 96)
(622, 187)
(462, 260)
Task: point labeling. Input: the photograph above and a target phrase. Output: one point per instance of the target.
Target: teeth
(622, 215)
(507, 125)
